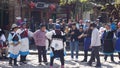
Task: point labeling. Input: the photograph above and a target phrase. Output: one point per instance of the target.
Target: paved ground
(33, 63)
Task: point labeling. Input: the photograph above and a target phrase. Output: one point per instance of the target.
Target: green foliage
(64, 2)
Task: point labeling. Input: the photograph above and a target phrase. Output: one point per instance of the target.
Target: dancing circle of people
(55, 37)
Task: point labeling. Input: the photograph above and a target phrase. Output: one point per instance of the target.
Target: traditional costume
(14, 40)
(108, 48)
(57, 45)
(24, 49)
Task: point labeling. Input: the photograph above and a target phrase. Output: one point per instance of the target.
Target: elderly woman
(14, 40)
(24, 49)
(108, 48)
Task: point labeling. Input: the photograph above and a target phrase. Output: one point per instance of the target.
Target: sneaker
(15, 64)
(46, 63)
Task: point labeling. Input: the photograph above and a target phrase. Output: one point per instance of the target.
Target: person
(63, 25)
(50, 25)
(3, 46)
(24, 49)
(117, 46)
(107, 38)
(57, 46)
(81, 39)
(14, 40)
(74, 41)
(95, 44)
(87, 42)
(40, 42)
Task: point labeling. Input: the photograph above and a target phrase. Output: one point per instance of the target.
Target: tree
(75, 6)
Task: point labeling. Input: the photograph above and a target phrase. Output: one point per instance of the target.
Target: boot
(15, 62)
(85, 57)
(112, 58)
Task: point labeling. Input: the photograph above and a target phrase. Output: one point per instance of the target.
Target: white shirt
(95, 39)
(3, 37)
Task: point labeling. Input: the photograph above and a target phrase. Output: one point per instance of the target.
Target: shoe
(93, 61)
(21, 63)
(10, 64)
(46, 63)
(98, 66)
(24, 62)
(15, 64)
(40, 63)
(105, 59)
(84, 61)
(112, 61)
(89, 64)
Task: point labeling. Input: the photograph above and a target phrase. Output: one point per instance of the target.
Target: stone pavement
(33, 63)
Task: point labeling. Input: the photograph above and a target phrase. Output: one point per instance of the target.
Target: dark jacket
(74, 37)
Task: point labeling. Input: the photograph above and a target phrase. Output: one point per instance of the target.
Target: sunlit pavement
(32, 62)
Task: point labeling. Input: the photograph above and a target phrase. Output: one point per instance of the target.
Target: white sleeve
(94, 37)
(49, 35)
(30, 34)
(3, 37)
(47, 44)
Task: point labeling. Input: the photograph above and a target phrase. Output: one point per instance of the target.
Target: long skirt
(24, 48)
(117, 46)
(108, 47)
(87, 42)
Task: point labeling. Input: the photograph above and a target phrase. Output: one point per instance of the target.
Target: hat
(118, 23)
(57, 26)
(14, 26)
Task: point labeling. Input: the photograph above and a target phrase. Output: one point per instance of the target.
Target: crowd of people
(56, 36)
